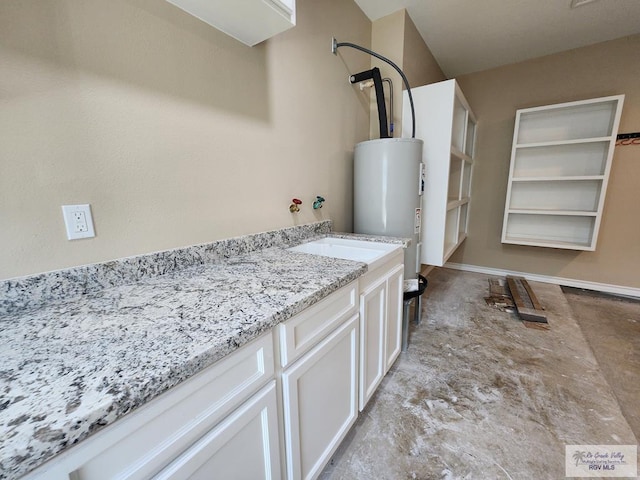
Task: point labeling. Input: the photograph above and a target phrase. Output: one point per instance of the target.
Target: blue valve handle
(318, 202)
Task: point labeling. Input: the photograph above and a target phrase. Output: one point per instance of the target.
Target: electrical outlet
(78, 221)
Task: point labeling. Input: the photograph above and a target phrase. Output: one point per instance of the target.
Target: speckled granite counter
(82, 347)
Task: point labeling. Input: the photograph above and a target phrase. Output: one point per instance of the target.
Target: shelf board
(565, 142)
(544, 242)
(462, 156)
(451, 204)
(449, 248)
(558, 178)
(570, 213)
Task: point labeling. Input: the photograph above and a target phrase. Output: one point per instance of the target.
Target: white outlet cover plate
(78, 221)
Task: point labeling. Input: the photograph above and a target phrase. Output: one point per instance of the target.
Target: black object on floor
(416, 296)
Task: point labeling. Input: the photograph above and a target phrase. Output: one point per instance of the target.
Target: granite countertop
(73, 364)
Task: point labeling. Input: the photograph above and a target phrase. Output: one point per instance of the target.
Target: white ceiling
(471, 35)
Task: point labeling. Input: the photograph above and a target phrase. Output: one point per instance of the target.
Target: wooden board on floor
(536, 325)
(498, 288)
(527, 303)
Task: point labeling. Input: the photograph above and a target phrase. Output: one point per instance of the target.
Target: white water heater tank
(388, 184)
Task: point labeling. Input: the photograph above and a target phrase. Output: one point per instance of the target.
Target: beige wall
(397, 38)
(418, 63)
(175, 133)
(387, 40)
(599, 70)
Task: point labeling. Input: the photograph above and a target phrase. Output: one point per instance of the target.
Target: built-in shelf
(582, 120)
(448, 127)
(557, 179)
(560, 163)
(558, 231)
(540, 211)
(455, 203)
(563, 142)
(561, 160)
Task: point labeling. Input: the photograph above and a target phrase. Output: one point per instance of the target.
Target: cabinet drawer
(373, 276)
(300, 333)
(145, 441)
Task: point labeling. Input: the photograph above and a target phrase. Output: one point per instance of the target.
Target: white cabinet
(333, 361)
(241, 447)
(380, 324)
(319, 388)
(393, 327)
(249, 21)
(446, 124)
(373, 305)
(560, 163)
(297, 386)
(320, 398)
(196, 416)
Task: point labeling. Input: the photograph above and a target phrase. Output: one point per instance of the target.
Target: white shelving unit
(560, 163)
(447, 125)
(248, 21)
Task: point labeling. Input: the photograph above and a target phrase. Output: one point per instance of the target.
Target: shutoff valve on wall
(295, 205)
(77, 219)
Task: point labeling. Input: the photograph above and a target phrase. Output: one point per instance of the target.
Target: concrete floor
(612, 328)
(479, 396)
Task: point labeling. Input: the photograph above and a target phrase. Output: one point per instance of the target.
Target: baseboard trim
(568, 282)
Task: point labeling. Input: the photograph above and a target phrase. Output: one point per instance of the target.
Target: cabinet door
(373, 302)
(320, 401)
(243, 447)
(393, 337)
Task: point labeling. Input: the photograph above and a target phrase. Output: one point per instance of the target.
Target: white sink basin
(348, 249)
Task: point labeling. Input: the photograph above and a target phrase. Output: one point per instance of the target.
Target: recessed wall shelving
(560, 163)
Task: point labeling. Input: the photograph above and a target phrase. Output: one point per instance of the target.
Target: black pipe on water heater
(374, 74)
(334, 49)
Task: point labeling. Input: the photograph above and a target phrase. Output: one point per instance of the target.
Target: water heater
(388, 184)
